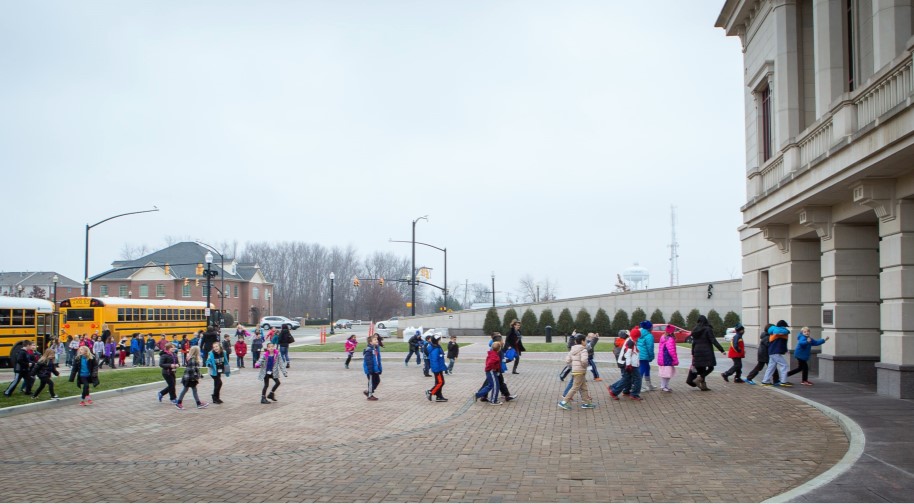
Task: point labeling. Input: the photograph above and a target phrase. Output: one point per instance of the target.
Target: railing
(886, 93)
(816, 143)
(773, 173)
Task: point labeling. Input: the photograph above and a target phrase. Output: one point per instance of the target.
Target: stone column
(850, 304)
(787, 73)
(895, 371)
(891, 30)
(795, 286)
(829, 53)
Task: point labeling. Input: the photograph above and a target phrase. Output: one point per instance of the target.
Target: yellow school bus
(24, 319)
(85, 315)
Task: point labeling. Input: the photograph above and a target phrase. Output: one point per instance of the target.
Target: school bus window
(4, 318)
(120, 314)
(181, 314)
(79, 315)
(30, 318)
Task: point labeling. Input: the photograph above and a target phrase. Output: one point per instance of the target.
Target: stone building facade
(828, 225)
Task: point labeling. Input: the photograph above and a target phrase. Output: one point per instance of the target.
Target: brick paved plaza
(324, 442)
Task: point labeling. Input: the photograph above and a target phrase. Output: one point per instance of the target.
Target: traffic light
(381, 282)
(186, 281)
(355, 282)
(167, 269)
(199, 269)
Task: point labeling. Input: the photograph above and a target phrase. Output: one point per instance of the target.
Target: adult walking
(703, 359)
(285, 339)
(210, 338)
(513, 340)
(414, 341)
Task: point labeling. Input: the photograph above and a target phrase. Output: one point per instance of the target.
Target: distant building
(248, 296)
(29, 283)
(828, 223)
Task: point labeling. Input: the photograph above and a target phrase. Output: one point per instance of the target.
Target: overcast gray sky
(541, 137)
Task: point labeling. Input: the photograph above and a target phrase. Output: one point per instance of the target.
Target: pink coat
(669, 343)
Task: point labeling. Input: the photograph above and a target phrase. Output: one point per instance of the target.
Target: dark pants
(516, 362)
(84, 382)
(439, 384)
(802, 366)
(758, 369)
(256, 355)
(348, 358)
(17, 377)
(735, 369)
(217, 386)
(240, 359)
(266, 383)
(374, 379)
(427, 367)
(49, 383)
(502, 387)
(412, 351)
(169, 386)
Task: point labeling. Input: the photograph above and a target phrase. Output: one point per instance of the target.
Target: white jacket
(628, 355)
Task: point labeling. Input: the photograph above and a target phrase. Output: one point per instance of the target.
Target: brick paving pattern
(323, 442)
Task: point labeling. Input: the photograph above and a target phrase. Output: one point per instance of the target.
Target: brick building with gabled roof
(248, 296)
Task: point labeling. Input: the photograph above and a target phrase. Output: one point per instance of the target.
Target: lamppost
(222, 262)
(208, 259)
(412, 273)
(414, 242)
(537, 293)
(20, 289)
(88, 227)
(332, 276)
(55, 279)
(493, 289)
(129, 294)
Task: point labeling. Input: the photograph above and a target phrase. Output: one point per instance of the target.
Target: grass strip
(108, 380)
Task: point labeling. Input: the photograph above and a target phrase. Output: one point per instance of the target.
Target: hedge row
(599, 323)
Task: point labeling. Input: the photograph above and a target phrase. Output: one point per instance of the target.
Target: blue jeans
(410, 354)
(593, 368)
(284, 352)
(450, 365)
(427, 366)
(630, 380)
(490, 388)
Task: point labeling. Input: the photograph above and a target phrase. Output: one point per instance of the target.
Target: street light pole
(493, 289)
(55, 279)
(412, 273)
(88, 227)
(209, 263)
(222, 261)
(20, 289)
(332, 276)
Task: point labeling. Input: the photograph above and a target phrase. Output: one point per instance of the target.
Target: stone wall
(726, 297)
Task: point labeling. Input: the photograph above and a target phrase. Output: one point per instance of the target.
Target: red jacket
(493, 361)
(241, 348)
(737, 351)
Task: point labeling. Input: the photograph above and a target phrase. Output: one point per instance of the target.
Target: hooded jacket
(277, 364)
(436, 357)
(703, 341)
(646, 346)
(211, 364)
(777, 340)
(668, 342)
(737, 347)
(804, 346)
(371, 359)
(577, 358)
(493, 361)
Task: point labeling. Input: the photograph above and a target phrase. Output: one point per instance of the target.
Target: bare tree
(172, 239)
(527, 288)
(38, 292)
(481, 292)
(130, 252)
(621, 286)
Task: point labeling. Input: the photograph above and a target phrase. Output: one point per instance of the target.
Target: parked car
(277, 322)
(391, 323)
(343, 324)
(681, 335)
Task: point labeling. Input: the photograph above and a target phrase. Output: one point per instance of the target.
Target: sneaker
(159, 395)
(766, 384)
(725, 377)
(750, 382)
(664, 389)
(739, 380)
(441, 399)
(88, 400)
(179, 406)
(613, 395)
(561, 378)
(33, 397)
(512, 397)
(496, 403)
(806, 383)
(365, 392)
(372, 398)
(55, 396)
(786, 384)
(588, 406)
(598, 379)
(626, 394)
(564, 405)
(82, 403)
(483, 399)
(428, 395)
(635, 398)
(202, 405)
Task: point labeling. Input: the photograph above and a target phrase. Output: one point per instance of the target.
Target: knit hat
(782, 323)
(738, 327)
(670, 329)
(647, 325)
(418, 332)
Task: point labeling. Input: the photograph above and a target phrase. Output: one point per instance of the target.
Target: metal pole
(331, 305)
(412, 275)
(445, 279)
(86, 270)
(55, 296)
(493, 289)
(209, 320)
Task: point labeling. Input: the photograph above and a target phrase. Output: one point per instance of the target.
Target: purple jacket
(109, 348)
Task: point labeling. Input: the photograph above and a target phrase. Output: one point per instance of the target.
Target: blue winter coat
(646, 346)
(804, 347)
(371, 359)
(436, 359)
(211, 364)
(777, 346)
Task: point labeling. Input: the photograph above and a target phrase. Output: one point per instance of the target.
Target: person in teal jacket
(218, 363)
(805, 342)
(646, 353)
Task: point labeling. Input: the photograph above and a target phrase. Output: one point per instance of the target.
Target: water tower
(636, 277)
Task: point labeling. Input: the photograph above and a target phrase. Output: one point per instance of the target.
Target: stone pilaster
(795, 286)
(891, 30)
(850, 304)
(787, 74)
(895, 371)
(829, 53)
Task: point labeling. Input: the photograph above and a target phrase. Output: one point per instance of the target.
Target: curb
(72, 400)
(856, 441)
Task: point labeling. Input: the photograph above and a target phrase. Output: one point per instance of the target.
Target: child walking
(802, 353)
(577, 358)
(437, 366)
(350, 345)
(168, 362)
(241, 349)
(270, 365)
(85, 371)
(191, 378)
(371, 364)
(628, 361)
(736, 353)
(453, 350)
(44, 368)
(218, 364)
(667, 359)
(489, 391)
